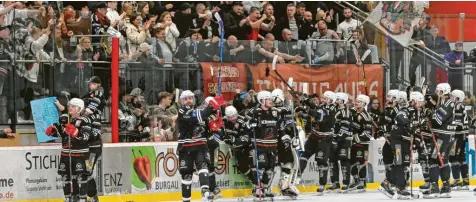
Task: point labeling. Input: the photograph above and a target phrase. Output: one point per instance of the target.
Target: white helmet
(417, 97)
(392, 95)
(185, 94)
(277, 96)
(402, 97)
(263, 95)
(365, 100)
(458, 94)
(77, 102)
(342, 96)
(331, 96)
(444, 87)
(231, 111)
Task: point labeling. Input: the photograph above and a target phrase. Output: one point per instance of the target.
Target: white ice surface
(369, 196)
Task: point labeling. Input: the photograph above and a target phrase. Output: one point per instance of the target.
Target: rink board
(149, 172)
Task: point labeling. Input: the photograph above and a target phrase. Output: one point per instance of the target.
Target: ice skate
(425, 186)
(403, 194)
(386, 189)
(74, 198)
(289, 194)
(433, 192)
(361, 187)
(83, 200)
(456, 185)
(217, 193)
(67, 199)
(353, 186)
(320, 190)
(207, 196)
(344, 189)
(334, 187)
(445, 191)
(465, 185)
(268, 193)
(93, 199)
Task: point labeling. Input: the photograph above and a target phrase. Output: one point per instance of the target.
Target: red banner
(233, 76)
(338, 78)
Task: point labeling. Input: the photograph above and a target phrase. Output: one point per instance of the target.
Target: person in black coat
(232, 21)
(284, 23)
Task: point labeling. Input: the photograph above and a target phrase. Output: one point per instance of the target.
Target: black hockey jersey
(237, 134)
(324, 120)
(95, 102)
(460, 119)
(191, 128)
(79, 145)
(442, 118)
(286, 123)
(401, 127)
(342, 128)
(362, 127)
(265, 126)
(388, 120)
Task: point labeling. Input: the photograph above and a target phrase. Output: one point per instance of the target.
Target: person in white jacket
(171, 31)
(34, 44)
(137, 34)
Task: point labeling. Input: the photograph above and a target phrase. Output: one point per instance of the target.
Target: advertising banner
(116, 171)
(338, 78)
(233, 76)
(28, 173)
(45, 113)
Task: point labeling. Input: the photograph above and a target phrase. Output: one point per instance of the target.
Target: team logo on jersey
(79, 166)
(320, 154)
(342, 151)
(407, 157)
(62, 166)
(275, 114)
(182, 163)
(252, 152)
(261, 157)
(359, 153)
(77, 123)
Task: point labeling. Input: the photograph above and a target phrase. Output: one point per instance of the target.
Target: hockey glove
(88, 111)
(296, 142)
(71, 130)
(51, 130)
(216, 102)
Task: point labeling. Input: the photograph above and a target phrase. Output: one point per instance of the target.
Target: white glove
(88, 111)
(295, 142)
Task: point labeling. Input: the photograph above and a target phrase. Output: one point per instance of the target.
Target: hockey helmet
(331, 96)
(231, 112)
(445, 88)
(277, 96)
(392, 95)
(79, 103)
(457, 94)
(365, 100)
(263, 95)
(417, 97)
(342, 96)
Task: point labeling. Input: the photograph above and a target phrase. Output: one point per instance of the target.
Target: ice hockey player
(423, 140)
(287, 142)
(391, 110)
(192, 144)
(95, 102)
(341, 143)
(264, 126)
(75, 131)
(237, 136)
(320, 140)
(362, 132)
(443, 131)
(457, 157)
(214, 133)
(400, 137)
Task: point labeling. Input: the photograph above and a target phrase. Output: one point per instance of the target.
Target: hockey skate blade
(431, 196)
(445, 195)
(262, 199)
(385, 193)
(464, 188)
(400, 197)
(320, 194)
(455, 188)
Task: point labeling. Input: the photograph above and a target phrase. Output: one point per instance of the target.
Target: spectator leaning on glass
(233, 51)
(171, 31)
(268, 51)
(324, 52)
(291, 46)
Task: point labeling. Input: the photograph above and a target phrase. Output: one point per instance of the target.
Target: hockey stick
(65, 93)
(256, 159)
(275, 59)
(437, 148)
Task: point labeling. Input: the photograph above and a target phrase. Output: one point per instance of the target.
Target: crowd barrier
(149, 172)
